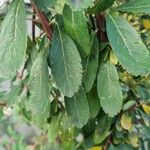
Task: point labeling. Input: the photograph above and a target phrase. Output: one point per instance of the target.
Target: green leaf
(39, 102)
(79, 4)
(76, 26)
(44, 5)
(78, 108)
(124, 147)
(103, 126)
(32, 56)
(94, 103)
(91, 66)
(54, 128)
(112, 147)
(100, 5)
(60, 5)
(128, 105)
(65, 63)
(144, 132)
(142, 6)
(13, 39)
(109, 90)
(128, 46)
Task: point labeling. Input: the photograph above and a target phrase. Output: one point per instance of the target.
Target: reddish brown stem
(44, 21)
(33, 25)
(101, 25)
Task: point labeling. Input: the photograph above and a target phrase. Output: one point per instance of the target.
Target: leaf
(145, 117)
(76, 26)
(146, 108)
(60, 5)
(54, 128)
(134, 139)
(112, 147)
(131, 52)
(96, 148)
(126, 122)
(13, 39)
(121, 147)
(39, 102)
(100, 5)
(142, 6)
(65, 63)
(144, 132)
(113, 58)
(102, 129)
(79, 4)
(32, 56)
(91, 66)
(109, 90)
(129, 104)
(146, 22)
(78, 108)
(94, 103)
(44, 5)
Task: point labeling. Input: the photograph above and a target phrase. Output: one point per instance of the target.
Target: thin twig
(33, 25)
(44, 21)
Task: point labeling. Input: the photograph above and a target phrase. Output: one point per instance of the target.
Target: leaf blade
(13, 39)
(76, 26)
(100, 5)
(132, 54)
(91, 66)
(39, 102)
(65, 63)
(136, 6)
(79, 5)
(109, 90)
(78, 109)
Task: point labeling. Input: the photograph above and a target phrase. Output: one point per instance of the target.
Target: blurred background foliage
(130, 130)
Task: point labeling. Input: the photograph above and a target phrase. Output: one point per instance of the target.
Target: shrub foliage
(84, 78)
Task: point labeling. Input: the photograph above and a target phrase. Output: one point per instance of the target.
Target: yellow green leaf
(113, 58)
(146, 108)
(96, 148)
(126, 122)
(134, 140)
(146, 23)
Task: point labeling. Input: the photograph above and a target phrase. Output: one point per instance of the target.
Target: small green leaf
(142, 6)
(65, 63)
(13, 39)
(128, 105)
(76, 26)
(79, 4)
(39, 102)
(54, 127)
(78, 108)
(131, 52)
(103, 126)
(91, 66)
(109, 90)
(100, 5)
(144, 132)
(94, 103)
